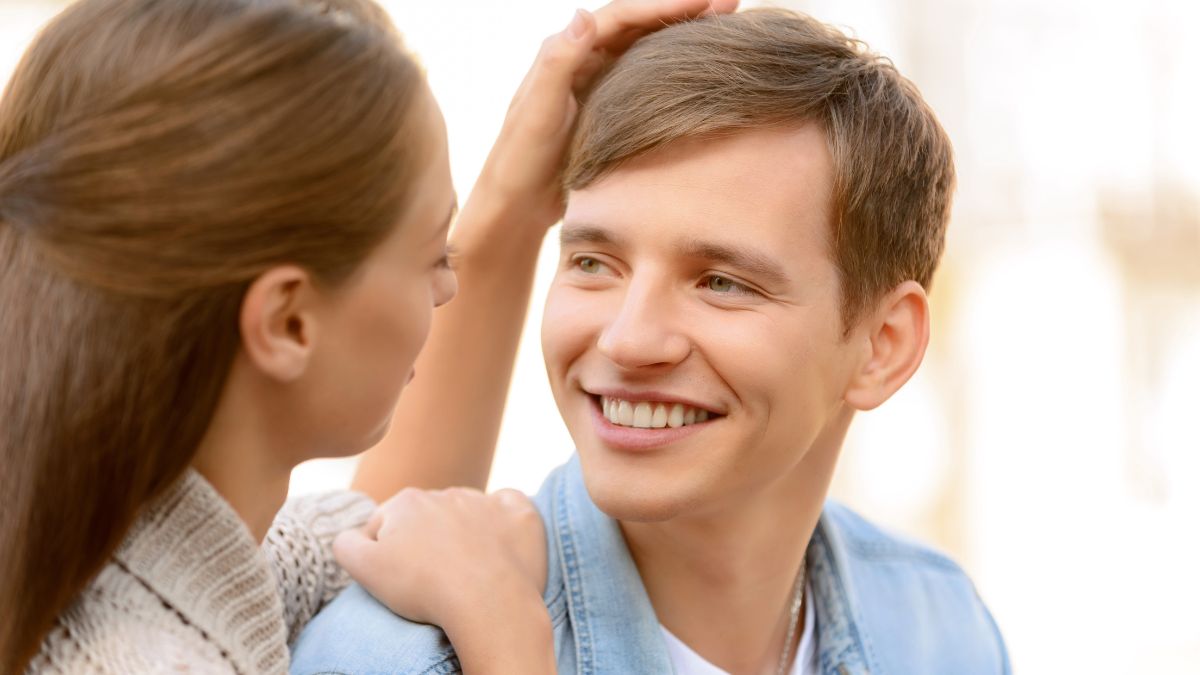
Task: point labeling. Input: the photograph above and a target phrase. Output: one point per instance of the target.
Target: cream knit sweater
(189, 590)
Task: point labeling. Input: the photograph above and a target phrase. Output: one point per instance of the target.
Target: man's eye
(589, 265)
(726, 286)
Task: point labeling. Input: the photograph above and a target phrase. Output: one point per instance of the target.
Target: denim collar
(842, 642)
(613, 623)
(614, 626)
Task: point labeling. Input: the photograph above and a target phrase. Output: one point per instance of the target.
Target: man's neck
(722, 583)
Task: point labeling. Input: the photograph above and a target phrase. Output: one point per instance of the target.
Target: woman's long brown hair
(156, 156)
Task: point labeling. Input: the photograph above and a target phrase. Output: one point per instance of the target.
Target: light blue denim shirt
(884, 606)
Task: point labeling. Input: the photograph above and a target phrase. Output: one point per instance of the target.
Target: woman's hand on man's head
(519, 184)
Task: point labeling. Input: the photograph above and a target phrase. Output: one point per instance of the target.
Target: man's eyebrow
(756, 264)
(759, 265)
(586, 234)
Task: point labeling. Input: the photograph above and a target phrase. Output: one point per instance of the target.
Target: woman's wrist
(494, 217)
(503, 635)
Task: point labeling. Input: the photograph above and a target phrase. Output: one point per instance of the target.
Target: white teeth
(675, 419)
(642, 415)
(660, 416)
(648, 415)
(624, 415)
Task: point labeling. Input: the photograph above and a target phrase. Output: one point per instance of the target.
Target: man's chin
(642, 486)
(636, 501)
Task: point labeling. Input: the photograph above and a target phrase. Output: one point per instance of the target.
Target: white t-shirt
(688, 662)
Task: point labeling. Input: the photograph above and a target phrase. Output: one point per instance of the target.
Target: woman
(222, 233)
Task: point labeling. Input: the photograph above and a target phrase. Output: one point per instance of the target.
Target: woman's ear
(278, 323)
(895, 339)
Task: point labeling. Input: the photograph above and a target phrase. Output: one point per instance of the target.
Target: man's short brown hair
(893, 164)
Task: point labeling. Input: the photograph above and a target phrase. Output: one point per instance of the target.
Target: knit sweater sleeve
(299, 547)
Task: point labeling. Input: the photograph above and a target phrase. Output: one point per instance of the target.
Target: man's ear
(278, 322)
(894, 342)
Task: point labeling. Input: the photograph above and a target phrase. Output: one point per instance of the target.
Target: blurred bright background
(1051, 441)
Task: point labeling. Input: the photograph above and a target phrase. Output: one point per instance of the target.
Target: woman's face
(371, 328)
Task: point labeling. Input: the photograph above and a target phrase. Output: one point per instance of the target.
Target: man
(756, 206)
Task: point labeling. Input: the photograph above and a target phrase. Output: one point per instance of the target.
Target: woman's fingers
(541, 107)
(569, 59)
(352, 550)
(435, 548)
(563, 54)
(617, 19)
(521, 173)
(596, 61)
(371, 528)
(527, 533)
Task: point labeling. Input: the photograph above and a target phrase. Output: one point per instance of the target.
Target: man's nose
(645, 331)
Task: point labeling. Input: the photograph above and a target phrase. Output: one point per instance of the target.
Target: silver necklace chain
(793, 619)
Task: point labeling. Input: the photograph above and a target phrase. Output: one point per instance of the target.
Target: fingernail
(577, 26)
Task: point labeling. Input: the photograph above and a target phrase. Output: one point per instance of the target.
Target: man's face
(696, 282)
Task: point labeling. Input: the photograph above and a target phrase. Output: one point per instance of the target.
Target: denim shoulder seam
(871, 542)
(447, 666)
(576, 604)
(559, 613)
(892, 551)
